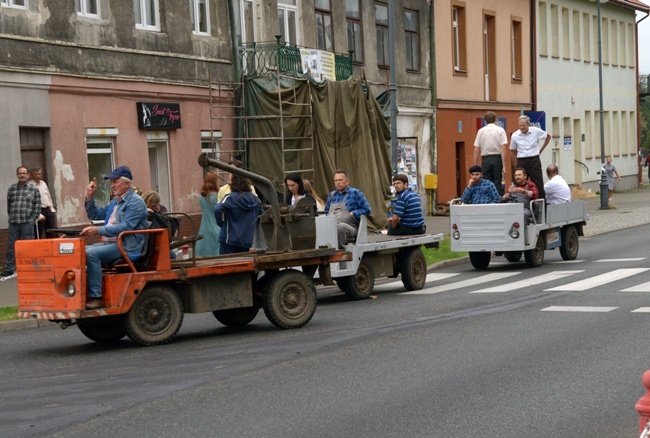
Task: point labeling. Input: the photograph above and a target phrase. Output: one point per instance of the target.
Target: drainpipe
(533, 53)
(434, 97)
(233, 31)
(638, 101)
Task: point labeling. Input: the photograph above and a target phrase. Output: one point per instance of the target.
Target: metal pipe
(603, 176)
(392, 85)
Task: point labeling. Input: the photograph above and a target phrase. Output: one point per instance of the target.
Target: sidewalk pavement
(630, 209)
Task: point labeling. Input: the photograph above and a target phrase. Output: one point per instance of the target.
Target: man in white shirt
(557, 190)
(492, 144)
(47, 219)
(524, 145)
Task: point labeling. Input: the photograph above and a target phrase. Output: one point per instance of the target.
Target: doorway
(159, 171)
(460, 168)
(577, 153)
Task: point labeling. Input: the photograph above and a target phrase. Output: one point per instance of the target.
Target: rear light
(456, 235)
(454, 227)
(70, 276)
(516, 225)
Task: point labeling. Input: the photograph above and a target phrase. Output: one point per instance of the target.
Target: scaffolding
(228, 105)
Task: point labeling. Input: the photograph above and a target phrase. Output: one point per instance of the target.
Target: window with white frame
(355, 29)
(200, 12)
(147, 16)
(247, 21)
(99, 149)
(324, 38)
(87, 8)
(411, 30)
(459, 44)
(288, 21)
(381, 29)
(18, 4)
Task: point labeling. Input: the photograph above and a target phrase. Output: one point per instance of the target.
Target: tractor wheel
(535, 257)
(104, 329)
(290, 299)
(238, 317)
(360, 285)
(413, 266)
(480, 260)
(570, 243)
(155, 317)
(513, 256)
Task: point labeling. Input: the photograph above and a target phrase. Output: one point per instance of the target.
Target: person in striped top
(406, 217)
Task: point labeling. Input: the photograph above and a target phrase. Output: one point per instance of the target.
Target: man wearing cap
(479, 190)
(125, 212)
(406, 218)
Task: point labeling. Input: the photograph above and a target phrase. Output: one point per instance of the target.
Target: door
(159, 171)
(577, 153)
(461, 172)
(32, 150)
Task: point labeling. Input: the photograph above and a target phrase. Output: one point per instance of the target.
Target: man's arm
(546, 142)
(360, 205)
(494, 194)
(36, 205)
(533, 189)
(504, 158)
(477, 151)
(466, 197)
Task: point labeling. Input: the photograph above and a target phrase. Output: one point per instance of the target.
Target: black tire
(238, 317)
(570, 243)
(513, 256)
(155, 317)
(290, 299)
(535, 257)
(480, 260)
(105, 329)
(360, 285)
(413, 268)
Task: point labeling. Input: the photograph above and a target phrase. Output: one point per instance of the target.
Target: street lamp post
(603, 177)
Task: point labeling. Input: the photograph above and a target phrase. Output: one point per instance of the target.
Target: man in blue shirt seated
(479, 190)
(126, 211)
(347, 204)
(407, 217)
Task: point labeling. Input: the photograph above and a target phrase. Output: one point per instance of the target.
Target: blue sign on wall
(537, 119)
(501, 122)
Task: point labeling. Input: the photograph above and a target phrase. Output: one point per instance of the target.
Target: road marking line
(462, 284)
(578, 309)
(551, 276)
(634, 259)
(643, 287)
(599, 280)
(564, 262)
(430, 278)
(642, 310)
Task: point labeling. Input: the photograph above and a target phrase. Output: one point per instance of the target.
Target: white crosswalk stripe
(578, 309)
(398, 283)
(643, 287)
(463, 284)
(599, 280)
(564, 262)
(635, 259)
(551, 276)
(642, 310)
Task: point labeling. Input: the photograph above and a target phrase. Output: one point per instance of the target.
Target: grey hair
(524, 118)
(123, 178)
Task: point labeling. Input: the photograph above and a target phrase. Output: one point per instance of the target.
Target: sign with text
(318, 63)
(159, 115)
(501, 122)
(537, 119)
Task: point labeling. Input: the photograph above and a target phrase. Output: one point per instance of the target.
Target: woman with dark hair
(209, 244)
(295, 188)
(237, 216)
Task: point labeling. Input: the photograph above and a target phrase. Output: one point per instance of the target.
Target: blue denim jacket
(131, 215)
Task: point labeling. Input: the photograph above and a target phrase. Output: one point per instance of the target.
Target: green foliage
(8, 313)
(644, 127)
(443, 253)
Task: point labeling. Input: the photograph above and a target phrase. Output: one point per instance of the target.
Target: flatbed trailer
(377, 255)
(501, 229)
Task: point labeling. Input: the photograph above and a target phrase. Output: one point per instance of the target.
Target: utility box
(431, 181)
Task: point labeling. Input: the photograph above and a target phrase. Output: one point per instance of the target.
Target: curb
(23, 324)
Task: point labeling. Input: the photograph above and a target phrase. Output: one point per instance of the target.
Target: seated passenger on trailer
(406, 218)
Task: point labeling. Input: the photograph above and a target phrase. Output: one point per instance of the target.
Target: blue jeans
(16, 232)
(96, 255)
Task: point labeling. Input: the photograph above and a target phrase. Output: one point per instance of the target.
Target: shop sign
(159, 115)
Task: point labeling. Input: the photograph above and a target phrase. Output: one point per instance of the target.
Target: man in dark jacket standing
(23, 208)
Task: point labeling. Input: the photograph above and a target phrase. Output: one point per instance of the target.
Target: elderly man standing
(524, 145)
(492, 145)
(347, 204)
(557, 190)
(479, 190)
(23, 208)
(126, 211)
(47, 218)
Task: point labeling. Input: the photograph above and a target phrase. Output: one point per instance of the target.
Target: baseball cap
(120, 172)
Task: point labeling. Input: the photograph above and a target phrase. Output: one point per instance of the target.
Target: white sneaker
(610, 199)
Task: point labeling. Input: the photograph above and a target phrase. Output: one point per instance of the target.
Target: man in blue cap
(126, 211)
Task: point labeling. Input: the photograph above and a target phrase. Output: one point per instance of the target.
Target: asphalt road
(556, 351)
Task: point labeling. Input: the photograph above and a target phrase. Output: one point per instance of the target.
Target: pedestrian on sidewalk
(610, 171)
(23, 208)
(647, 164)
(47, 218)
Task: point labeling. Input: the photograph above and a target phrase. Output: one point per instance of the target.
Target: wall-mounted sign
(537, 119)
(159, 115)
(407, 160)
(568, 142)
(501, 122)
(319, 63)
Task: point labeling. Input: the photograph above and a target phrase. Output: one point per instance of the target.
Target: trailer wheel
(570, 243)
(513, 256)
(535, 257)
(413, 268)
(238, 317)
(105, 329)
(360, 285)
(155, 317)
(289, 299)
(480, 260)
